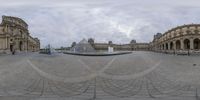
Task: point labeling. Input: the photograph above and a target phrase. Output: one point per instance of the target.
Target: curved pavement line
(93, 75)
(72, 80)
(102, 70)
(107, 65)
(123, 77)
(133, 76)
(61, 79)
(15, 63)
(85, 65)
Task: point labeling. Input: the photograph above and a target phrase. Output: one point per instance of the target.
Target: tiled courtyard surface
(136, 76)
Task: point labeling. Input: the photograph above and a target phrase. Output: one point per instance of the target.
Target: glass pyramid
(83, 46)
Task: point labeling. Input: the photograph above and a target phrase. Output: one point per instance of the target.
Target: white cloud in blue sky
(60, 22)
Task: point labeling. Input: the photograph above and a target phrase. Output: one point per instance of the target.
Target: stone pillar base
(7, 52)
(1, 51)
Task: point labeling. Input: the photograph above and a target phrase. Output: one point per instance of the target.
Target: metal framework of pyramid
(83, 46)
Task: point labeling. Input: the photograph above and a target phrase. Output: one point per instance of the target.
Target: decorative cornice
(180, 27)
(16, 18)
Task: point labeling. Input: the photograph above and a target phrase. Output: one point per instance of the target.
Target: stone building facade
(185, 38)
(15, 36)
(132, 46)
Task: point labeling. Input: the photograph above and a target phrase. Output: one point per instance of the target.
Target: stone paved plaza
(136, 76)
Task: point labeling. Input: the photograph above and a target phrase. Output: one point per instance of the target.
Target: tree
(133, 41)
(91, 41)
(110, 42)
(73, 44)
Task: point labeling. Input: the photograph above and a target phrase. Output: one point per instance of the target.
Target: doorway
(20, 45)
(11, 48)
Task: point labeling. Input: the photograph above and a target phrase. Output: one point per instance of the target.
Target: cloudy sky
(60, 22)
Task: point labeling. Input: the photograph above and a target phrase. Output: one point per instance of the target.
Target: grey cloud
(60, 22)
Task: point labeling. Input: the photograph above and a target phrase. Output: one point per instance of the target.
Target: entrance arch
(11, 48)
(166, 46)
(163, 46)
(178, 44)
(171, 45)
(20, 45)
(187, 44)
(196, 44)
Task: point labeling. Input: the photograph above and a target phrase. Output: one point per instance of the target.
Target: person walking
(13, 52)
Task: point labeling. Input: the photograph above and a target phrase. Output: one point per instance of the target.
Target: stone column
(199, 44)
(164, 46)
(174, 44)
(160, 47)
(6, 42)
(17, 45)
(27, 45)
(191, 43)
(169, 48)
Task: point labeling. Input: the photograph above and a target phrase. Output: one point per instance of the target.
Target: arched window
(186, 44)
(196, 44)
(171, 45)
(178, 45)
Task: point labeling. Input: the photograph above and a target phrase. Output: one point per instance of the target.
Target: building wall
(2, 43)
(101, 46)
(181, 38)
(14, 36)
(122, 47)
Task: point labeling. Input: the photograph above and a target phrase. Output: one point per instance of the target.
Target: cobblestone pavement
(136, 76)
